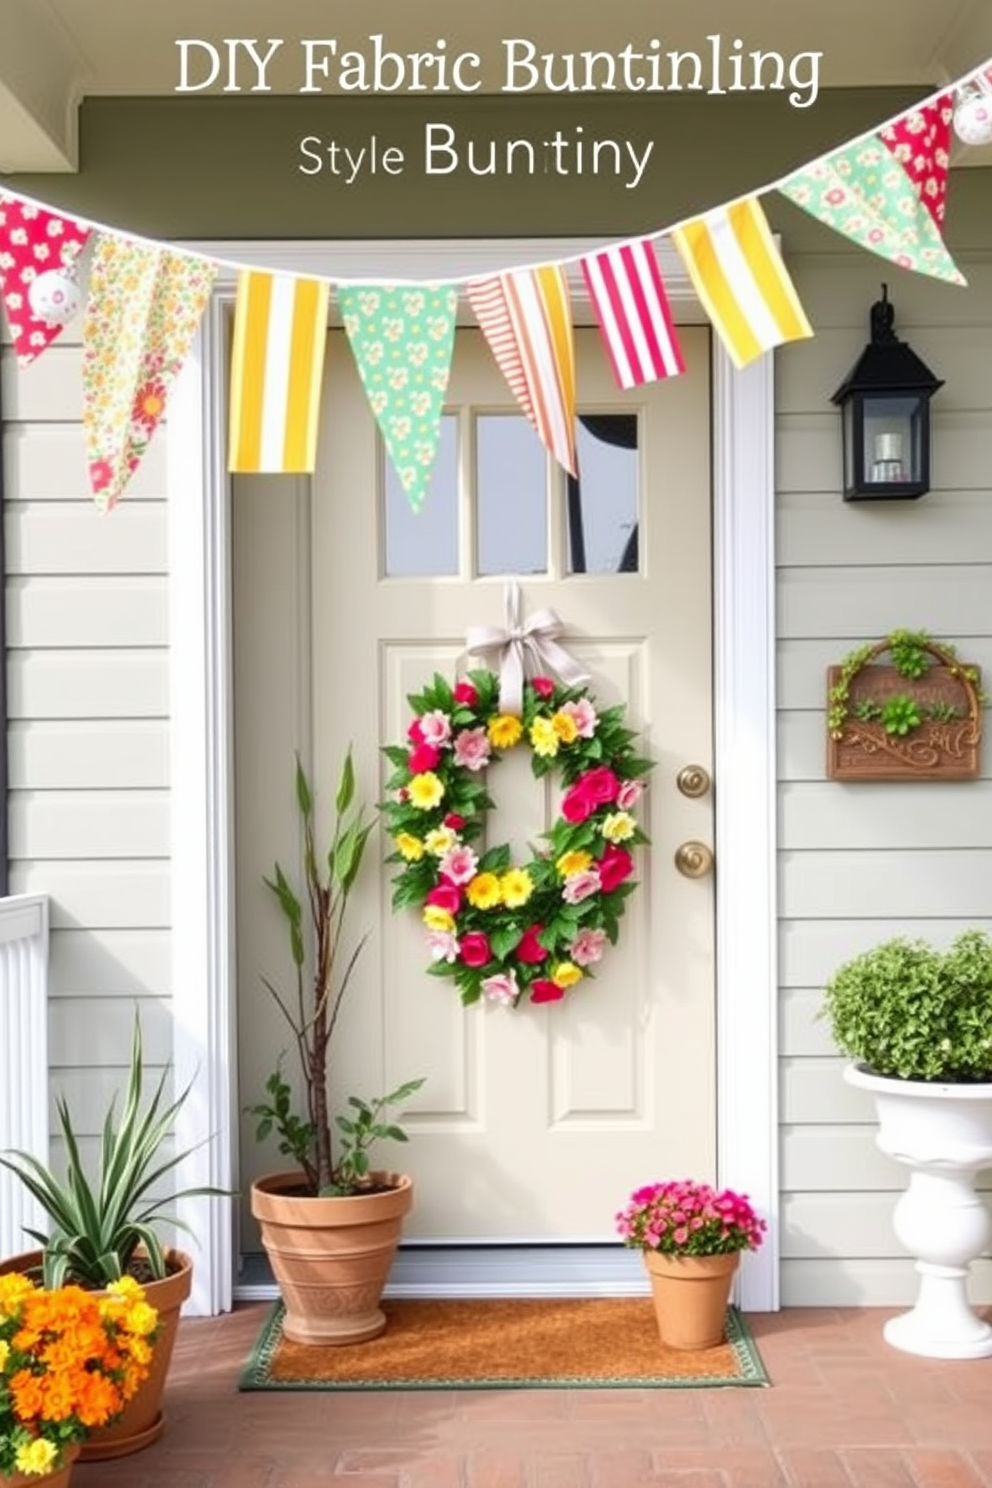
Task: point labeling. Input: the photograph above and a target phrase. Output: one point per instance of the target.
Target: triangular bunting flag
(142, 313)
(863, 193)
(740, 278)
(628, 295)
(277, 366)
(921, 142)
(526, 317)
(38, 253)
(403, 338)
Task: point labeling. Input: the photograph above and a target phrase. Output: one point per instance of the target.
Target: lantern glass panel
(892, 438)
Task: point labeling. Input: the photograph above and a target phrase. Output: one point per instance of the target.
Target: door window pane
(424, 544)
(511, 496)
(603, 502)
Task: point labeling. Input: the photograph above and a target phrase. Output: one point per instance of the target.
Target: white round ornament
(53, 297)
(973, 119)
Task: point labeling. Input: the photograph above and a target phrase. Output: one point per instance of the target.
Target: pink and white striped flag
(628, 294)
(526, 317)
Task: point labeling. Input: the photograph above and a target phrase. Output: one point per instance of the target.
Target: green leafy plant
(99, 1223)
(909, 1010)
(909, 653)
(900, 715)
(308, 1139)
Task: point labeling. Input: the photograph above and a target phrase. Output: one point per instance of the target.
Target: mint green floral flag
(863, 192)
(402, 338)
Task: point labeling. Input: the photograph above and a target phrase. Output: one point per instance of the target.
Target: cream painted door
(532, 1125)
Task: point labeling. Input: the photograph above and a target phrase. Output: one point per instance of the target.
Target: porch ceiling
(57, 52)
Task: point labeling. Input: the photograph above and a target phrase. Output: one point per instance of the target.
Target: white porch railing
(23, 1056)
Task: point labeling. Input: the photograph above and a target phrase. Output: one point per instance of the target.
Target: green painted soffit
(225, 167)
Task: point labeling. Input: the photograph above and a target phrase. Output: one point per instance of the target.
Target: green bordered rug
(589, 1343)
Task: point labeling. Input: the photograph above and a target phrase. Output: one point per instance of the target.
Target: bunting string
(884, 189)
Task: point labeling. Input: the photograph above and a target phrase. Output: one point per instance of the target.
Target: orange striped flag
(740, 278)
(526, 317)
(277, 363)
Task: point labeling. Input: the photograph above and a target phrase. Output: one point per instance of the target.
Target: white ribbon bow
(523, 650)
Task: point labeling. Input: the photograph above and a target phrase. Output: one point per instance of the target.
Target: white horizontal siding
(87, 635)
(85, 1093)
(102, 684)
(860, 863)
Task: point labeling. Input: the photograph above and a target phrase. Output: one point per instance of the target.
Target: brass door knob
(693, 781)
(694, 859)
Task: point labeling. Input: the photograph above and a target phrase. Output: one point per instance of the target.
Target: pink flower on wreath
(576, 806)
(459, 864)
(435, 727)
(446, 896)
(580, 886)
(423, 757)
(629, 794)
(475, 948)
(466, 693)
(584, 716)
(454, 821)
(615, 865)
(443, 945)
(600, 785)
(545, 991)
(543, 686)
(472, 749)
(529, 948)
(588, 946)
(501, 988)
(415, 733)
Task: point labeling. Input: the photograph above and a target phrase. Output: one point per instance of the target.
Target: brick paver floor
(844, 1411)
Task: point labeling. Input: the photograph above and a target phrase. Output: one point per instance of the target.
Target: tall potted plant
(916, 1022)
(108, 1225)
(330, 1225)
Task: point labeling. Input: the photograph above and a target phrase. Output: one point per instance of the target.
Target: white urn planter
(943, 1134)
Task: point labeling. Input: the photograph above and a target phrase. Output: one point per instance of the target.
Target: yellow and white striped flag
(277, 362)
(740, 278)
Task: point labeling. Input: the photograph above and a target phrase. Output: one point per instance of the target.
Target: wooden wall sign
(904, 708)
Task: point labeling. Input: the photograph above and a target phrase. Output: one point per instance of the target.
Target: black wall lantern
(885, 414)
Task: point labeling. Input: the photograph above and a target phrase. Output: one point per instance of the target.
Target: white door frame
(201, 795)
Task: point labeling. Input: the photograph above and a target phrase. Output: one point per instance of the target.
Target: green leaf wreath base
(503, 932)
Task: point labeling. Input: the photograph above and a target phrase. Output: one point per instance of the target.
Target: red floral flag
(921, 141)
(38, 253)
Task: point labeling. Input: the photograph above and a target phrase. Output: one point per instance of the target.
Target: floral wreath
(500, 931)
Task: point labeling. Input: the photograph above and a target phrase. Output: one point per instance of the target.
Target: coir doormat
(588, 1343)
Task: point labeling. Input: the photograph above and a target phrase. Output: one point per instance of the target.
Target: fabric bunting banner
(143, 310)
(628, 295)
(526, 317)
(277, 366)
(38, 254)
(921, 142)
(403, 340)
(864, 193)
(740, 278)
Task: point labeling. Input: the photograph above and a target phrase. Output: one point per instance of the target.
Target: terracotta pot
(331, 1256)
(142, 1421)
(57, 1479)
(690, 1297)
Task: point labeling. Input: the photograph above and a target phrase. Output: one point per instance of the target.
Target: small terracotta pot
(690, 1297)
(331, 1256)
(57, 1479)
(142, 1421)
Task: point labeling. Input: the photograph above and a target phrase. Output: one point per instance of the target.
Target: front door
(532, 1124)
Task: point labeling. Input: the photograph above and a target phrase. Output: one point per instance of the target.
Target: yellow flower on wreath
(573, 862)
(566, 974)
(425, 791)
(439, 840)
(565, 727)
(484, 891)
(504, 731)
(409, 847)
(619, 826)
(436, 918)
(544, 738)
(516, 887)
